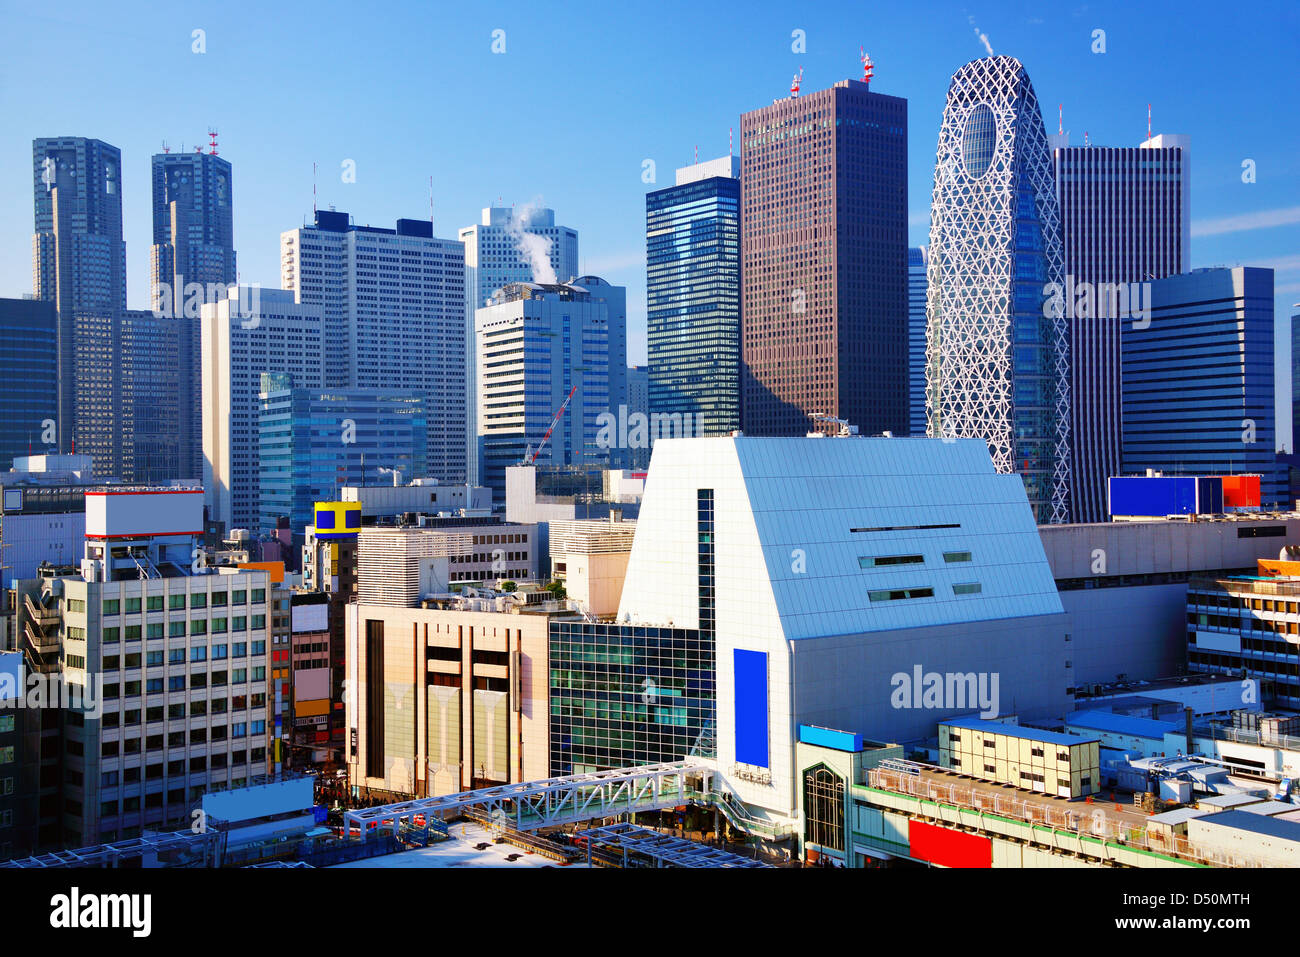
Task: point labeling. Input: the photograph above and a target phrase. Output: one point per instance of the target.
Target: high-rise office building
(193, 243)
(824, 261)
(1125, 219)
(917, 260)
(510, 245)
(997, 364)
(537, 344)
(312, 442)
(693, 295)
(393, 305)
(78, 256)
(1198, 379)
(29, 396)
(129, 398)
(280, 336)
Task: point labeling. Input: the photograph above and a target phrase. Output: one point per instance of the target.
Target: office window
(956, 556)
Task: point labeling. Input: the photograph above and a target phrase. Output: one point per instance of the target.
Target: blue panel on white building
(751, 707)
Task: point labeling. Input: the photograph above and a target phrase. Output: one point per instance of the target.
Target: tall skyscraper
(393, 304)
(693, 295)
(1198, 379)
(29, 396)
(193, 242)
(1125, 219)
(78, 256)
(917, 259)
(509, 245)
(281, 336)
(537, 344)
(997, 365)
(824, 261)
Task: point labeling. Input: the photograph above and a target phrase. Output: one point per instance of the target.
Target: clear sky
(585, 93)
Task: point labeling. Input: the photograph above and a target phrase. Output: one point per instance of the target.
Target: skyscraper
(393, 305)
(1198, 379)
(917, 258)
(192, 243)
(509, 245)
(537, 344)
(693, 295)
(1125, 219)
(997, 364)
(824, 261)
(78, 256)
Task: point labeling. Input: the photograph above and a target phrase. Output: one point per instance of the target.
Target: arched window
(823, 803)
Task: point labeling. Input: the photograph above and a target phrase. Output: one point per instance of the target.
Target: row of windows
(113, 606)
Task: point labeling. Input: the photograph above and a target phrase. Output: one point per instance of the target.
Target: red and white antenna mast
(313, 190)
(868, 69)
(731, 141)
(166, 148)
(795, 83)
(1148, 121)
(1060, 119)
(212, 142)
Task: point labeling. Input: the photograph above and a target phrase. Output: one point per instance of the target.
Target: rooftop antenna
(198, 149)
(731, 141)
(697, 152)
(313, 189)
(868, 69)
(1085, 137)
(430, 203)
(1148, 122)
(795, 83)
(212, 142)
(166, 148)
(1060, 119)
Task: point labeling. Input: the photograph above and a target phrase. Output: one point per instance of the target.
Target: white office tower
(829, 571)
(537, 346)
(393, 304)
(270, 333)
(511, 244)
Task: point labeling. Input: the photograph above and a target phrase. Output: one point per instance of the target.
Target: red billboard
(938, 845)
(1241, 491)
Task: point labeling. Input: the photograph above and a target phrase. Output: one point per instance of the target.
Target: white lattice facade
(997, 360)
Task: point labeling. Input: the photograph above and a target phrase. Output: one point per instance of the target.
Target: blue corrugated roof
(1015, 731)
(1255, 823)
(1120, 723)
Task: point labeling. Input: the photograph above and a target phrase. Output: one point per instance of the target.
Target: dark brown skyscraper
(824, 251)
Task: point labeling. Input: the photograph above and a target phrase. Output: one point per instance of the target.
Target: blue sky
(586, 92)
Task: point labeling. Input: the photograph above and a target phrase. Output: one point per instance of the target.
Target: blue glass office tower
(997, 358)
(693, 295)
(1198, 379)
(917, 258)
(29, 383)
(193, 242)
(313, 441)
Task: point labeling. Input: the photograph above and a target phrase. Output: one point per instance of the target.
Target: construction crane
(563, 405)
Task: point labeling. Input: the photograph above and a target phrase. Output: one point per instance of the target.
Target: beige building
(447, 699)
(1062, 765)
(590, 557)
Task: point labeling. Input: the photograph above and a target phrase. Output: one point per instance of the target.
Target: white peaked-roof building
(840, 577)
